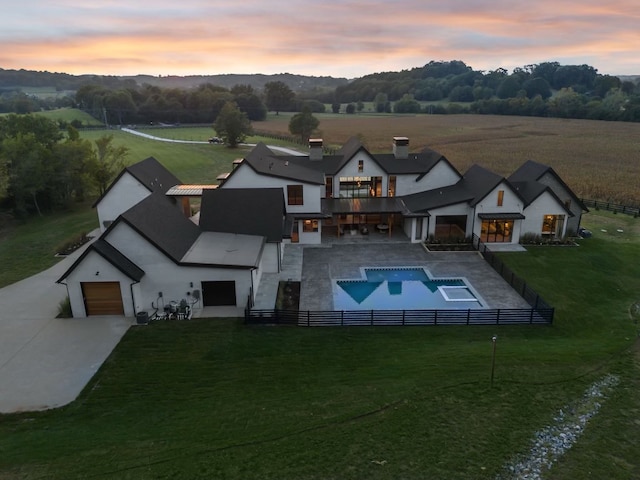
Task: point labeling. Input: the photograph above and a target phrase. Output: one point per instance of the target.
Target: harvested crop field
(599, 160)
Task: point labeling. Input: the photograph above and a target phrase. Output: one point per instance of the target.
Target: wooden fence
(612, 207)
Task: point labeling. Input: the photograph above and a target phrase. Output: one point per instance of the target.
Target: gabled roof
(110, 254)
(248, 211)
(161, 223)
(529, 191)
(438, 198)
(480, 182)
(150, 173)
(531, 170)
(264, 162)
(419, 163)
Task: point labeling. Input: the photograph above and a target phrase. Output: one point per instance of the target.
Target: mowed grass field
(212, 398)
(597, 159)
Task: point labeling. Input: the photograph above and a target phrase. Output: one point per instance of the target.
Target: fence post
(468, 315)
(403, 318)
(435, 317)
(342, 318)
(308, 318)
(372, 318)
(498, 318)
(531, 317)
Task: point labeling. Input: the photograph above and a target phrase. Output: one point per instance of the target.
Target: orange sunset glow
(334, 38)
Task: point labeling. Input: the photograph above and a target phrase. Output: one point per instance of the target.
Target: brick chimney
(401, 147)
(315, 149)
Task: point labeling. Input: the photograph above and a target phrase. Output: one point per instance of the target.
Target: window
(500, 197)
(495, 231)
(310, 226)
(294, 195)
(328, 187)
(360, 187)
(392, 186)
(360, 166)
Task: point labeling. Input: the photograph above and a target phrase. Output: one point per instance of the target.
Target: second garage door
(102, 298)
(215, 294)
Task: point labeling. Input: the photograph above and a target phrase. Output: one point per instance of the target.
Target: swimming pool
(403, 288)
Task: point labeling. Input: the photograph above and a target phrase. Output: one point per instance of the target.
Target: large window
(294, 195)
(495, 231)
(359, 187)
(552, 225)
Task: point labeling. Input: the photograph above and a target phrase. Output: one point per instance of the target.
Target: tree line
(439, 87)
(45, 169)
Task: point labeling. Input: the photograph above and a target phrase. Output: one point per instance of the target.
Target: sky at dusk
(335, 38)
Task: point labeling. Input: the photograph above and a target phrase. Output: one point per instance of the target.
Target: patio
(323, 264)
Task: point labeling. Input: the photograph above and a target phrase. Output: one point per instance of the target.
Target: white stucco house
(152, 248)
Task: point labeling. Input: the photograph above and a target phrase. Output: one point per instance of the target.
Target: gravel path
(553, 441)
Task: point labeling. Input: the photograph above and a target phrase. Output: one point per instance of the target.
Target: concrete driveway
(45, 362)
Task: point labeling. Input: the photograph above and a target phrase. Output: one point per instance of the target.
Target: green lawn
(216, 399)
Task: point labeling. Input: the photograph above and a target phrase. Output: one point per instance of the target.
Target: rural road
(287, 151)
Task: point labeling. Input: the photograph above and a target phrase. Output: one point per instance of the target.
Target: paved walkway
(45, 362)
(291, 269)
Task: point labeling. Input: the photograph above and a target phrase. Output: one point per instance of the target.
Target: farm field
(599, 160)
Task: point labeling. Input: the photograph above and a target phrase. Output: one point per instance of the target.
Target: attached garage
(102, 298)
(221, 293)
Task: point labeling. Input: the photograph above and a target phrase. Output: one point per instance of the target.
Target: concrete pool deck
(322, 264)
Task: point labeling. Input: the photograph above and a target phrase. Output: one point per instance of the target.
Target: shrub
(64, 308)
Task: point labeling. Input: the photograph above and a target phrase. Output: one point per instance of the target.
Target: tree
(537, 86)
(303, 124)
(232, 125)
(407, 104)
(278, 96)
(109, 161)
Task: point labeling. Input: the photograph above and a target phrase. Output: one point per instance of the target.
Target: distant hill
(629, 78)
(297, 83)
(15, 79)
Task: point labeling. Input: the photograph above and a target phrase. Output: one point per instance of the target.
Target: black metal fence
(514, 281)
(612, 207)
(377, 318)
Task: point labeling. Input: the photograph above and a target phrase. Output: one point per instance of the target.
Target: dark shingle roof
(529, 191)
(153, 175)
(437, 198)
(528, 171)
(531, 171)
(113, 256)
(162, 223)
(264, 162)
(248, 211)
(150, 173)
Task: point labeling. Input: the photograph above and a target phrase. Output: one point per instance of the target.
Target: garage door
(102, 298)
(215, 294)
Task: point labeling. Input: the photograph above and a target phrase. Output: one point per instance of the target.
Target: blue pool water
(403, 288)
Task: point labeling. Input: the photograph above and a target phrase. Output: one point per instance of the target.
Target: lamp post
(494, 340)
